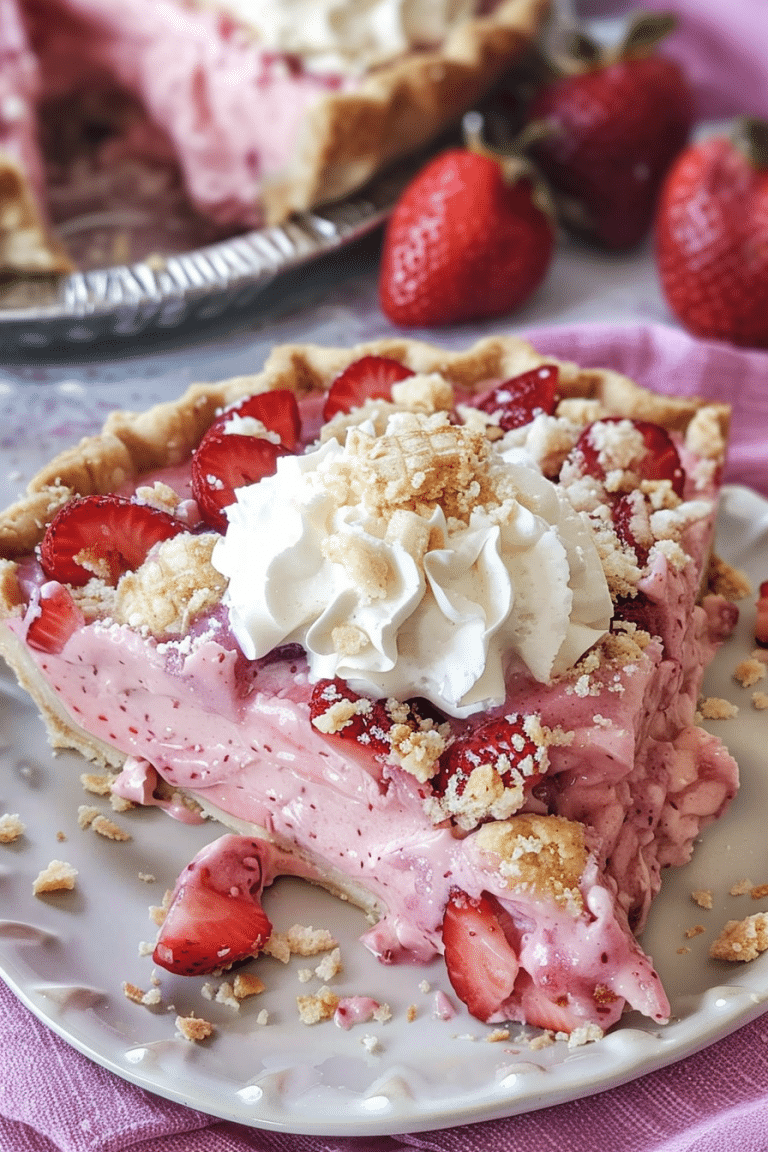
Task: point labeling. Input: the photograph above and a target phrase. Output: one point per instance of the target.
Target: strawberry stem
(750, 136)
(514, 165)
(646, 32)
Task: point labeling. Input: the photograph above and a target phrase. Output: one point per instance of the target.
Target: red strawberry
(364, 730)
(660, 460)
(370, 378)
(225, 461)
(464, 241)
(115, 532)
(482, 965)
(761, 623)
(278, 411)
(610, 133)
(712, 237)
(59, 618)
(215, 917)
(501, 743)
(520, 399)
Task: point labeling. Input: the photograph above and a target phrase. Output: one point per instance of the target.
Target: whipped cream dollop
(349, 36)
(417, 562)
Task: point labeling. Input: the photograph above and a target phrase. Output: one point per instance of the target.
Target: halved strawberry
(522, 397)
(215, 917)
(659, 462)
(225, 461)
(502, 744)
(278, 411)
(370, 378)
(112, 531)
(761, 622)
(59, 618)
(623, 514)
(482, 964)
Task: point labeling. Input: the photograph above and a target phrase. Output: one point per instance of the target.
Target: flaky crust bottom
(27, 247)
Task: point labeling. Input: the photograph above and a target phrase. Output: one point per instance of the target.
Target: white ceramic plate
(67, 955)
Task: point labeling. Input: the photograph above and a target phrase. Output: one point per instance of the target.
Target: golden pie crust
(27, 247)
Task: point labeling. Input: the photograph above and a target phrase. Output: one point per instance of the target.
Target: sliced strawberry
(365, 729)
(659, 462)
(115, 533)
(370, 378)
(59, 618)
(225, 461)
(500, 743)
(215, 917)
(482, 964)
(520, 399)
(761, 623)
(278, 411)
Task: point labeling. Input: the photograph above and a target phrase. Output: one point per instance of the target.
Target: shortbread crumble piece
(329, 966)
(314, 1009)
(692, 933)
(246, 984)
(299, 941)
(99, 783)
(749, 671)
(727, 581)
(194, 1028)
(702, 897)
(715, 708)
(740, 888)
(57, 877)
(11, 827)
(760, 700)
(173, 586)
(742, 939)
(139, 996)
(759, 892)
(107, 828)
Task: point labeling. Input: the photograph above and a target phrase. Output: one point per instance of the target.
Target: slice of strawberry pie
(425, 627)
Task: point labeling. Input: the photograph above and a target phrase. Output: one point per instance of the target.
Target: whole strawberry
(712, 236)
(606, 135)
(467, 239)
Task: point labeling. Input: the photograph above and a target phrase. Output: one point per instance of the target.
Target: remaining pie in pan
(267, 109)
(425, 627)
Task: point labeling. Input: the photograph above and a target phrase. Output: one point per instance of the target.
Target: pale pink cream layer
(231, 112)
(638, 774)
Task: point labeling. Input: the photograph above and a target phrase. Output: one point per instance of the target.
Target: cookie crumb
(370, 1043)
(748, 672)
(742, 940)
(194, 1028)
(741, 888)
(412, 1013)
(683, 951)
(759, 891)
(314, 1009)
(298, 941)
(263, 1017)
(57, 877)
(497, 1035)
(695, 931)
(146, 877)
(96, 782)
(715, 708)
(139, 996)
(544, 1040)
(329, 966)
(702, 897)
(86, 814)
(760, 701)
(108, 829)
(246, 984)
(11, 827)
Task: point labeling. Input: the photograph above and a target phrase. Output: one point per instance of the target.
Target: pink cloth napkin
(52, 1099)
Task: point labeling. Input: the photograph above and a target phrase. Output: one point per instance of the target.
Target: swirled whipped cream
(414, 562)
(349, 36)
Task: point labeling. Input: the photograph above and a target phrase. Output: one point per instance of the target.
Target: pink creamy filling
(639, 775)
(230, 112)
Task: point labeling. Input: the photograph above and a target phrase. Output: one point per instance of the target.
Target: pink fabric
(720, 43)
(52, 1099)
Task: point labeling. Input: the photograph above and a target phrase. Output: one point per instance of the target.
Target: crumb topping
(742, 939)
(318, 1007)
(11, 827)
(194, 1028)
(545, 854)
(174, 585)
(57, 877)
